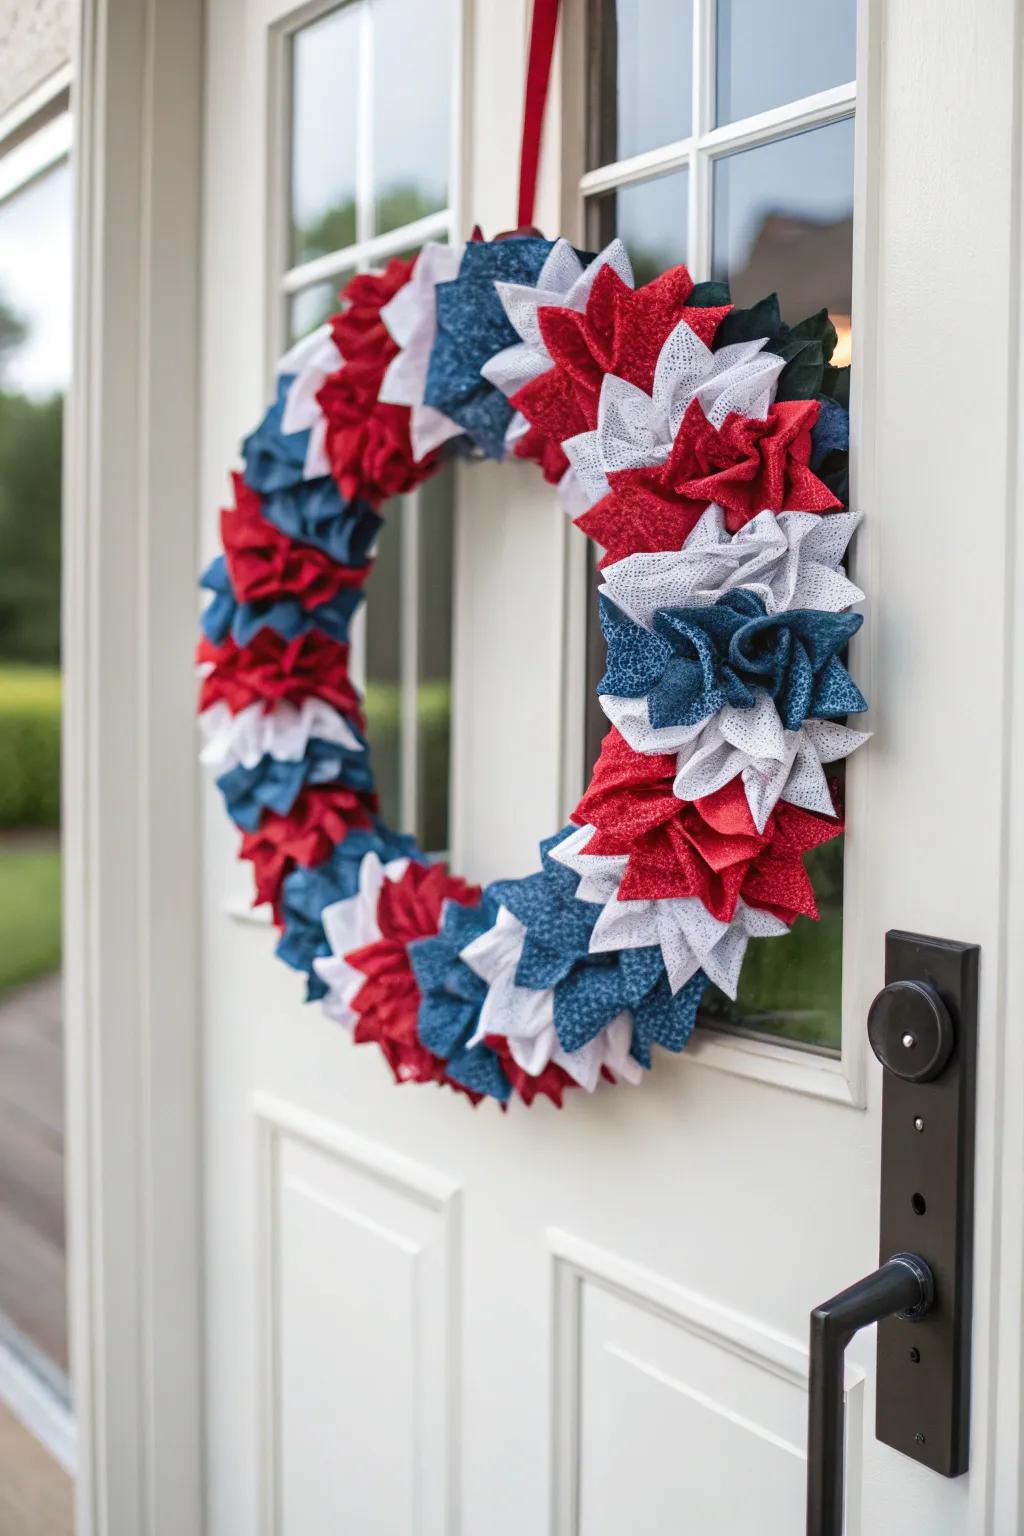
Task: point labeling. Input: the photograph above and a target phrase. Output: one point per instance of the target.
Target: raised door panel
(359, 1406)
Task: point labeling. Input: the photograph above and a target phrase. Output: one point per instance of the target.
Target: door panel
(359, 1259)
(426, 1318)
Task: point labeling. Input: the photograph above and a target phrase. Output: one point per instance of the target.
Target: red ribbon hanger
(543, 28)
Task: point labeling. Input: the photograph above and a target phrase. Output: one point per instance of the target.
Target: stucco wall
(35, 39)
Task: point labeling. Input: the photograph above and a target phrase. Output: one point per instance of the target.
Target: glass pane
(310, 307)
(413, 50)
(641, 52)
(772, 54)
(791, 987)
(325, 79)
(383, 666)
(783, 223)
(35, 330)
(433, 686)
(650, 216)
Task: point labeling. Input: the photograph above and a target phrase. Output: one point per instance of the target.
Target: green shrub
(30, 700)
(29, 912)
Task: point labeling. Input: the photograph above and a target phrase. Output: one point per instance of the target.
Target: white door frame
(132, 1020)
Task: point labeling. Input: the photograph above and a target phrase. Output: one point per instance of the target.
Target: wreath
(703, 448)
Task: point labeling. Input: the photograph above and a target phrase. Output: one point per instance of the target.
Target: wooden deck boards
(32, 1252)
(36, 1496)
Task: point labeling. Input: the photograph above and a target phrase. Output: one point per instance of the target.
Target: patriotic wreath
(703, 447)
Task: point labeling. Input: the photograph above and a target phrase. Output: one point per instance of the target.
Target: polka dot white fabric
(790, 561)
(283, 732)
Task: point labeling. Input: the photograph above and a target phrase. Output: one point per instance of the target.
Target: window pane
(433, 686)
(310, 307)
(641, 52)
(650, 217)
(325, 79)
(772, 54)
(35, 330)
(413, 50)
(783, 223)
(383, 666)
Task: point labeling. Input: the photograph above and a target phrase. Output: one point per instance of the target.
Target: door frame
(133, 1027)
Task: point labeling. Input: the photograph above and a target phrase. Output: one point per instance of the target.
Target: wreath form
(704, 448)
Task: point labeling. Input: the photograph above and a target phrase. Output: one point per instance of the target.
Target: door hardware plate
(927, 1191)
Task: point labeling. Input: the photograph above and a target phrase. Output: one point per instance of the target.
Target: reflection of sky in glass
(413, 47)
(35, 281)
(777, 53)
(648, 46)
(325, 71)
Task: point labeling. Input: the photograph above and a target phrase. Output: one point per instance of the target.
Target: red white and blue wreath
(704, 449)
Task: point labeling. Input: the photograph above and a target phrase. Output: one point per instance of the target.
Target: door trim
(130, 898)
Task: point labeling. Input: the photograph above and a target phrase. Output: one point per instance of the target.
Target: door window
(712, 142)
(370, 151)
(35, 359)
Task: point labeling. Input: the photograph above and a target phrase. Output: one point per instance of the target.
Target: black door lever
(922, 1027)
(901, 1288)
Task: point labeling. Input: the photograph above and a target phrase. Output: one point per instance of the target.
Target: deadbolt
(910, 1030)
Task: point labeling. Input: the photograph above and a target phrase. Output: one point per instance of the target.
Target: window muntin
(371, 156)
(766, 159)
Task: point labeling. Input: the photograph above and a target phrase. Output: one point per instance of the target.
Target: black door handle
(901, 1288)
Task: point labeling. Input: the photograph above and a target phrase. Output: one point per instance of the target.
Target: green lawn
(29, 910)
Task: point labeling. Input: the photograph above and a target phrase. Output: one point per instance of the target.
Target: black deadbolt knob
(910, 1030)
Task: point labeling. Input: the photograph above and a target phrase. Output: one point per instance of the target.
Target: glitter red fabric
(263, 562)
(321, 818)
(621, 331)
(707, 848)
(746, 466)
(388, 1001)
(367, 441)
(271, 670)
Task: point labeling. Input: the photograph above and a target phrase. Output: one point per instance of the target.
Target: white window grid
(368, 251)
(707, 143)
(35, 134)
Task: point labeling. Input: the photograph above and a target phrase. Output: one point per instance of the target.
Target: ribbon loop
(543, 29)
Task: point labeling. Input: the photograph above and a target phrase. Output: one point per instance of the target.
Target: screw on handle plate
(910, 1030)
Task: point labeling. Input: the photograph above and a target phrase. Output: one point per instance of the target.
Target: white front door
(425, 1318)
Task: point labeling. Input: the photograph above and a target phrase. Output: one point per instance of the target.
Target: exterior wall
(35, 39)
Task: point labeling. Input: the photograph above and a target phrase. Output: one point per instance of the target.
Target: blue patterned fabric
(224, 615)
(471, 327)
(695, 661)
(314, 513)
(451, 998)
(273, 785)
(590, 990)
(831, 431)
(275, 460)
(306, 892)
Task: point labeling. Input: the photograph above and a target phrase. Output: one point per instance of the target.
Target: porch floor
(36, 1496)
(32, 1254)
